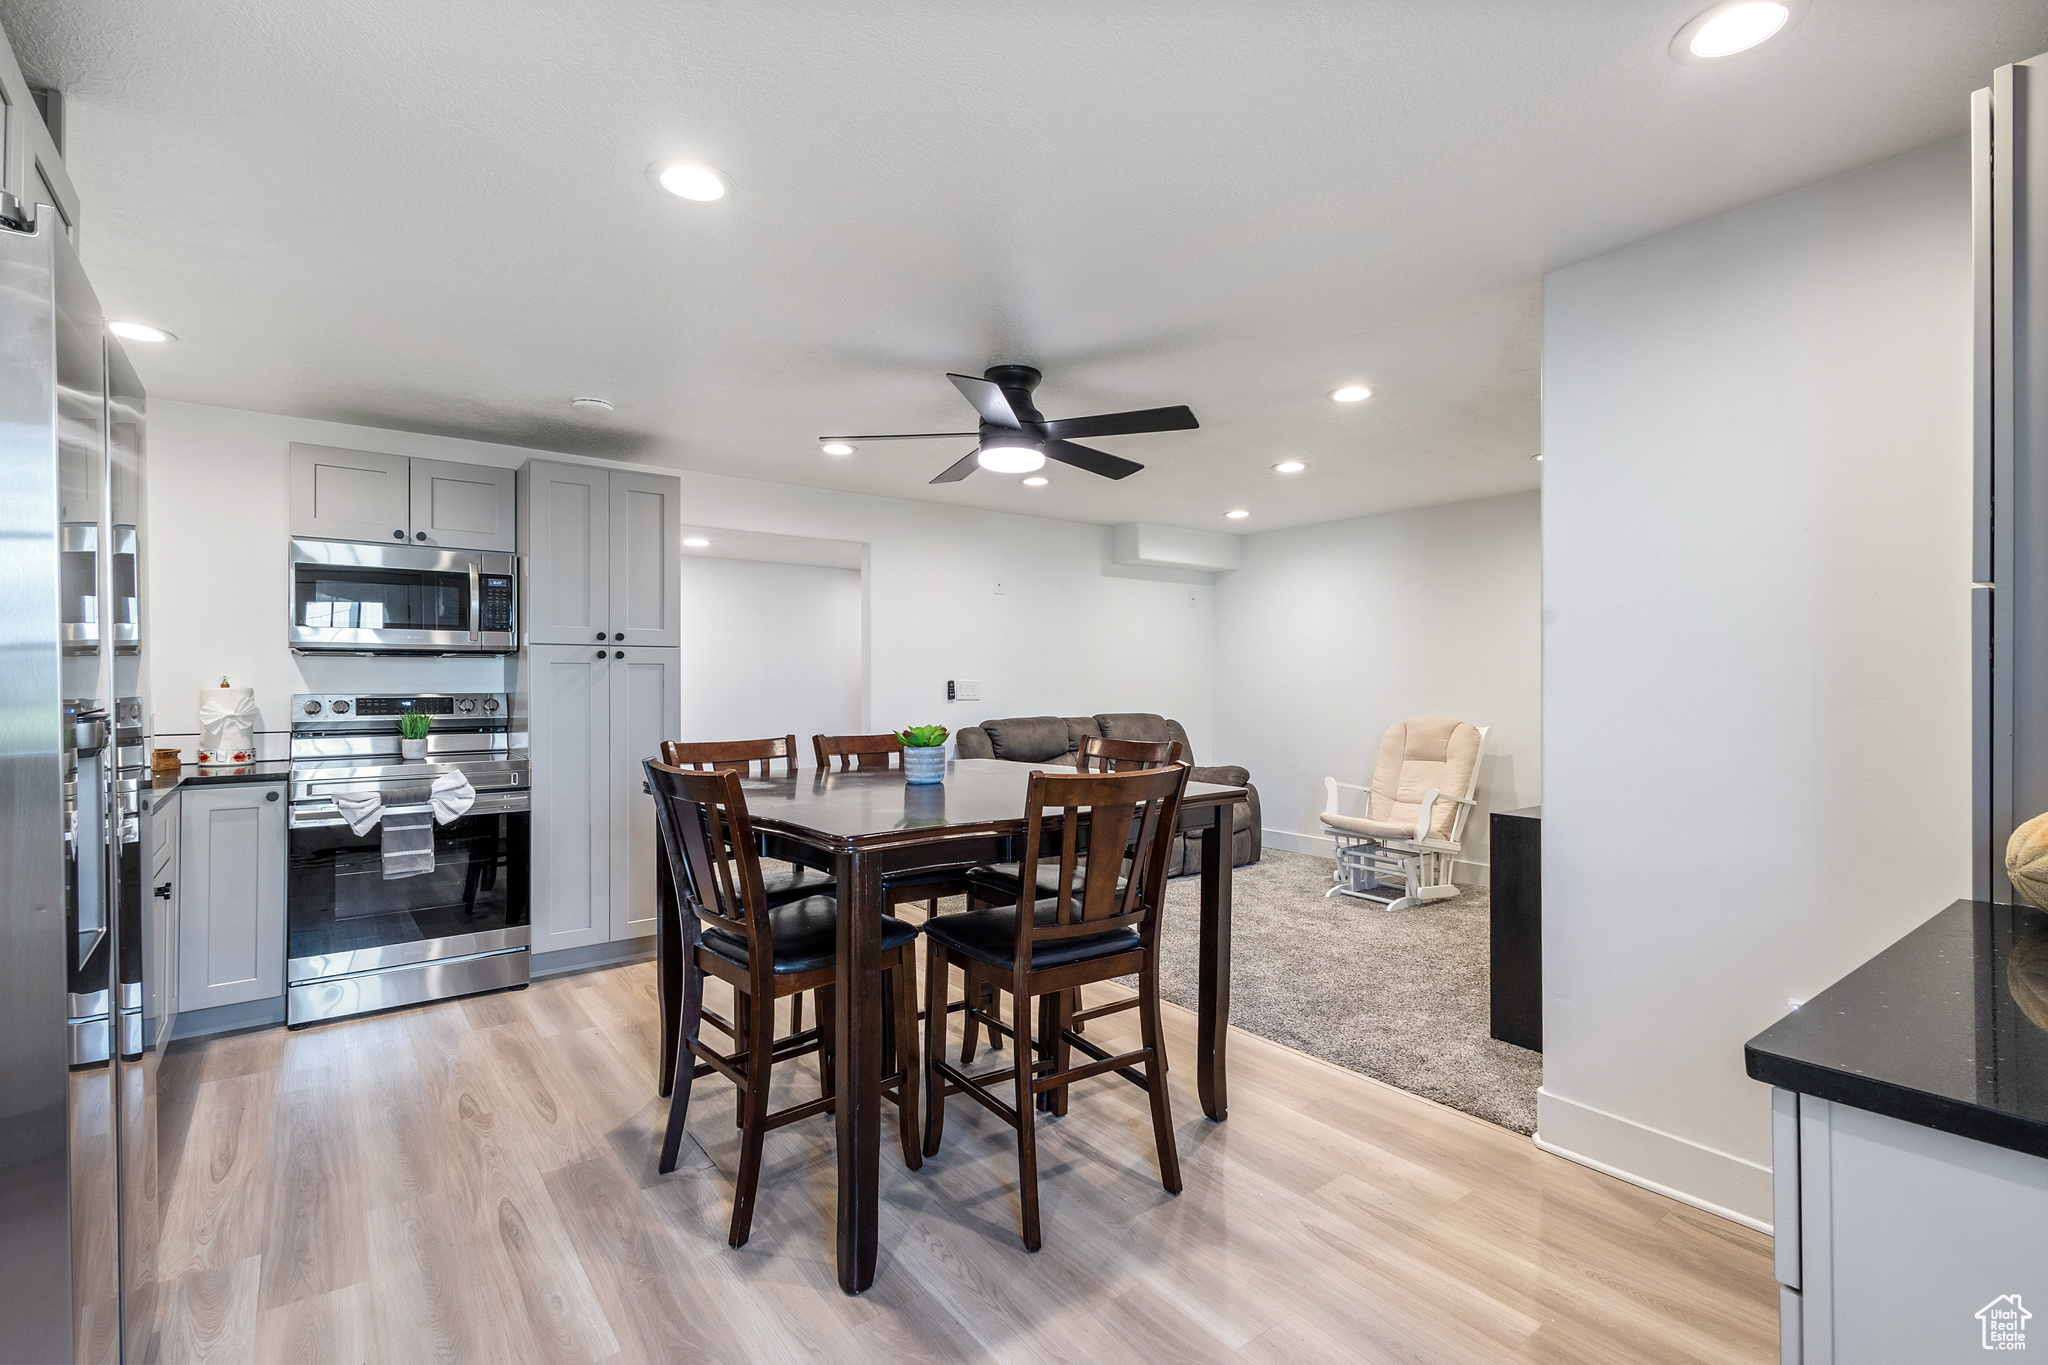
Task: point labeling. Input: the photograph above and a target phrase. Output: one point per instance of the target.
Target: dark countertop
(1947, 1028)
(192, 775)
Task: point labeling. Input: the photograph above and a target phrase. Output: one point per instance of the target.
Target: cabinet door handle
(398, 535)
(620, 636)
(164, 892)
(600, 635)
(600, 654)
(419, 535)
(270, 796)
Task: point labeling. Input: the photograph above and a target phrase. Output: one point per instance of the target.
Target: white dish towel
(452, 796)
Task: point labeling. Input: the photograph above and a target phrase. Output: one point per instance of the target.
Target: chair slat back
(1131, 811)
(709, 840)
(731, 753)
(857, 751)
(1124, 755)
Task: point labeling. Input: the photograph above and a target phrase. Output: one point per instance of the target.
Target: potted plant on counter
(924, 753)
(412, 734)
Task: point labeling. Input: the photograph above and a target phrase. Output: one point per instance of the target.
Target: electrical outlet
(1191, 599)
(999, 587)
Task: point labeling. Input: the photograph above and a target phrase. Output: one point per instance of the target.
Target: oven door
(395, 599)
(343, 916)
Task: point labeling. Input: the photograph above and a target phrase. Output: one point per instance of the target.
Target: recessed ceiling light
(1013, 459)
(1538, 457)
(1036, 481)
(1289, 467)
(139, 331)
(1727, 29)
(835, 448)
(1352, 393)
(594, 406)
(696, 542)
(1237, 514)
(690, 180)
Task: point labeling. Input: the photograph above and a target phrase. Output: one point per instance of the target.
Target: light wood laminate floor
(474, 1181)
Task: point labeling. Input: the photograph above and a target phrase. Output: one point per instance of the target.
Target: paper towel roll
(227, 726)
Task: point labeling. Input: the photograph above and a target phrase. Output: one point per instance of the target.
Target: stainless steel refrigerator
(84, 949)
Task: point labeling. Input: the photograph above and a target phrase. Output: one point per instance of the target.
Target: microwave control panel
(497, 602)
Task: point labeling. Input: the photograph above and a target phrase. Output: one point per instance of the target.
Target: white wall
(788, 640)
(1756, 516)
(1071, 634)
(1326, 635)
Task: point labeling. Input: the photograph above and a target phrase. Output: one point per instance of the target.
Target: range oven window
(334, 598)
(340, 902)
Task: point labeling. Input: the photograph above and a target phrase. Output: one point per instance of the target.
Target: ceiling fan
(1015, 439)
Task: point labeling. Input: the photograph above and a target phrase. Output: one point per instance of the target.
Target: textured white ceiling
(436, 217)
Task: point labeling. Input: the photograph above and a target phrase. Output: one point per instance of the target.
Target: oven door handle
(476, 603)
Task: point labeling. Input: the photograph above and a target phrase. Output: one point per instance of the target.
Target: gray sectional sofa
(1044, 741)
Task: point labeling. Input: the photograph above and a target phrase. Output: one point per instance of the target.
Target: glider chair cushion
(1416, 755)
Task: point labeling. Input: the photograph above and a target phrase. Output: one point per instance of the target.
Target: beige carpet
(1398, 995)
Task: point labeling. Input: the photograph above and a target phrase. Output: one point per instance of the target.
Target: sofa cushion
(1141, 726)
(1027, 739)
(1078, 726)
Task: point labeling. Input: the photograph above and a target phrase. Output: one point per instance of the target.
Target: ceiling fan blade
(988, 400)
(1123, 423)
(908, 436)
(1094, 461)
(961, 470)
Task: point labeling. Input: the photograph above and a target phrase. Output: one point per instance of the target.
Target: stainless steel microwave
(350, 598)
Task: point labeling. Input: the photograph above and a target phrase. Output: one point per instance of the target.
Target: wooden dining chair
(729, 931)
(998, 883)
(749, 758)
(1098, 925)
(872, 753)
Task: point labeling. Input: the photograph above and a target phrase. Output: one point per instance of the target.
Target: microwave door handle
(476, 604)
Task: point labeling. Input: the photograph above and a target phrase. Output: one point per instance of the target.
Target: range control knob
(466, 705)
(312, 708)
(490, 704)
(341, 708)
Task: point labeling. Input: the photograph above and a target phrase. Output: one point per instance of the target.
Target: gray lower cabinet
(1901, 1243)
(592, 715)
(231, 892)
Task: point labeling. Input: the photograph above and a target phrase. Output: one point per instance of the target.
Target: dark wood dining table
(864, 826)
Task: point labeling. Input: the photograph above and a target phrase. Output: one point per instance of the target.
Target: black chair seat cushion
(1001, 881)
(990, 936)
(806, 936)
(794, 884)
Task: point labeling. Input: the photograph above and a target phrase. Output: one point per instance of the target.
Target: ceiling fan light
(1010, 459)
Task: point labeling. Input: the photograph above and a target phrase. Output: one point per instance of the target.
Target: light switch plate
(964, 689)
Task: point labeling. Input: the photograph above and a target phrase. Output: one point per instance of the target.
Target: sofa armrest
(1226, 775)
(972, 742)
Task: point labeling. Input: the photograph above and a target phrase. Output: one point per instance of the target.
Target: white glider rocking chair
(1400, 852)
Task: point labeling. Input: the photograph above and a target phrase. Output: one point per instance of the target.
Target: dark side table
(1517, 929)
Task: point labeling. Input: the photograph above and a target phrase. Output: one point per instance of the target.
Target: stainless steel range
(359, 943)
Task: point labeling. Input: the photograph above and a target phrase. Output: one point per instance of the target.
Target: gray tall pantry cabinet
(599, 690)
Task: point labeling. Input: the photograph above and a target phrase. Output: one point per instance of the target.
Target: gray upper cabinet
(646, 559)
(602, 555)
(463, 506)
(365, 495)
(349, 494)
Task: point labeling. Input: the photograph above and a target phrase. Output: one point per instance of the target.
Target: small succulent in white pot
(924, 754)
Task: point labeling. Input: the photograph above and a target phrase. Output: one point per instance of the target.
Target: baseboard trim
(591, 955)
(228, 1018)
(1321, 846)
(1712, 1181)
